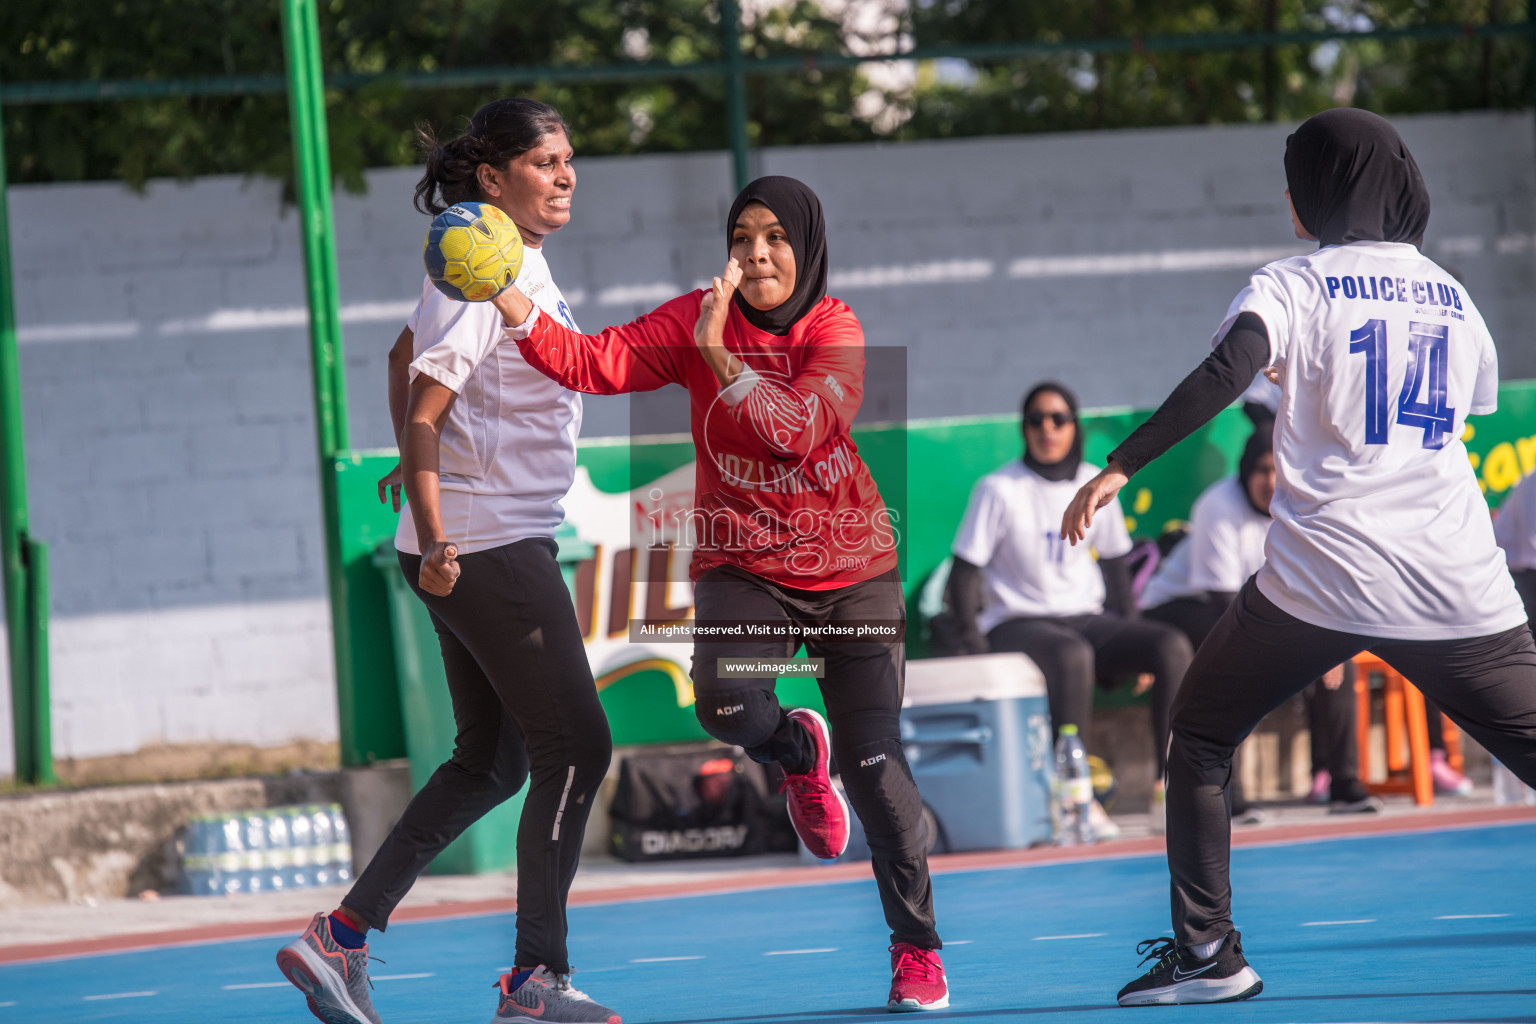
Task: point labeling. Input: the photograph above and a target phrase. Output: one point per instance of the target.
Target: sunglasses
(1058, 419)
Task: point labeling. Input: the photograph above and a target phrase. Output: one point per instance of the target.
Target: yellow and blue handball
(473, 251)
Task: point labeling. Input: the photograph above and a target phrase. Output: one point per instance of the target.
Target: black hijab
(799, 211)
(1352, 180)
(1260, 443)
(1066, 469)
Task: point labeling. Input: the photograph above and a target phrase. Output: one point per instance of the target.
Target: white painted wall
(166, 380)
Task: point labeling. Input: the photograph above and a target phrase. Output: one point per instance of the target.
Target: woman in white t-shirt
(1381, 539)
(1016, 585)
(1515, 530)
(488, 450)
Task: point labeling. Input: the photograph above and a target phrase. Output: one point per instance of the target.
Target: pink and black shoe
(917, 979)
(816, 808)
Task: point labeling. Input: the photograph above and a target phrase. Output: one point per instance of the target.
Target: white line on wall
(913, 273)
(1325, 924)
(402, 977)
(121, 995)
(256, 984)
(852, 279)
(78, 332)
(1466, 917)
(1167, 262)
(1084, 935)
(626, 294)
(799, 952)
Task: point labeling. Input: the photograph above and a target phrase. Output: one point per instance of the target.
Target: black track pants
(1075, 650)
(862, 692)
(526, 709)
(1256, 659)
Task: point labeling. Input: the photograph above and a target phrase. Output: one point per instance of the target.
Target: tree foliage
(136, 139)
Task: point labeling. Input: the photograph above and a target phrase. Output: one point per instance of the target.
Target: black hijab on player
(1353, 180)
(1066, 468)
(1260, 443)
(799, 211)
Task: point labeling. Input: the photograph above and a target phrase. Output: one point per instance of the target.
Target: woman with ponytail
(488, 449)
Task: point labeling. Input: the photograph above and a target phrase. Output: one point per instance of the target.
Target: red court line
(1350, 828)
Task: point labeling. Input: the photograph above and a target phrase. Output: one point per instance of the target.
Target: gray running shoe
(333, 977)
(548, 997)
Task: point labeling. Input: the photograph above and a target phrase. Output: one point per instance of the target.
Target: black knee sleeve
(745, 716)
(879, 785)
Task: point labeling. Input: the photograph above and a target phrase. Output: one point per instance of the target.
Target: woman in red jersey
(791, 532)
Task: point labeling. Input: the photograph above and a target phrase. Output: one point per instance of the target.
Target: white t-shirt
(1515, 528)
(1225, 546)
(1012, 531)
(508, 452)
(1379, 526)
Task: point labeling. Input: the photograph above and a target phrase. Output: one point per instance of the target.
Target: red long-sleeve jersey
(780, 490)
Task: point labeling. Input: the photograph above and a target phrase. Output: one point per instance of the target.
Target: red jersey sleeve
(795, 415)
(642, 355)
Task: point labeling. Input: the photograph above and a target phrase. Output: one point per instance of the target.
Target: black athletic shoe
(1178, 976)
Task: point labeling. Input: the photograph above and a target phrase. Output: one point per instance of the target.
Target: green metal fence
(370, 726)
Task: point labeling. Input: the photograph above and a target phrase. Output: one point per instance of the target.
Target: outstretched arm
(1213, 385)
(638, 356)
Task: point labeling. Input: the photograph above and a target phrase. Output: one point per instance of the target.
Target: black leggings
(862, 691)
(1330, 713)
(1075, 650)
(1256, 659)
(525, 706)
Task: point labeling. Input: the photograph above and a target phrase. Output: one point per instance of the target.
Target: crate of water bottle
(271, 850)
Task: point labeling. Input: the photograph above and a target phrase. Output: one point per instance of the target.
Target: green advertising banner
(925, 468)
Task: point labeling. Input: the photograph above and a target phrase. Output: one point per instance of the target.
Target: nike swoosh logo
(1186, 975)
(535, 1011)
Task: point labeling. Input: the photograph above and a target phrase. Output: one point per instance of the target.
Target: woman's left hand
(1091, 497)
(709, 330)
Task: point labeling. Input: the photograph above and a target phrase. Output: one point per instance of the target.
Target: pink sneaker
(1322, 780)
(917, 979)
(816, 809)
(1447, 779)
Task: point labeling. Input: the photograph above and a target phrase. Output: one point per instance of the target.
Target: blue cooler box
(977, 733)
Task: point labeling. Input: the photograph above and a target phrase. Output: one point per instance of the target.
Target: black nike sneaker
(1178, 976)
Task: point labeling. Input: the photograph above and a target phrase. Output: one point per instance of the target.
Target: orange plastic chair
(1406, 720)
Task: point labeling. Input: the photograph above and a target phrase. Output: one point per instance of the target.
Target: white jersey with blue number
(507, 455)
(1379, 527)
(1012, 530)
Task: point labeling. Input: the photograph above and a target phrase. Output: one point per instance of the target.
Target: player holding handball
(791, 531)
(488, 449)
(1381, 539)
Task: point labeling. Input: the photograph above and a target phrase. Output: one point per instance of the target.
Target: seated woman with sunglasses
(1017, 586)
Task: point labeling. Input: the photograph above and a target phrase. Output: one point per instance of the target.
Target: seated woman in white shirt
(1016, 586)
(1198, 580)
(1515, 530)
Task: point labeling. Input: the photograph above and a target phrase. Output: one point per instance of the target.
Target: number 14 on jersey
(1427, 372)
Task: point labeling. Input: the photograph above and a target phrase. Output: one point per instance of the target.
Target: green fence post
(312, 171)
(41, 723)
(25, 571)
(736, 90)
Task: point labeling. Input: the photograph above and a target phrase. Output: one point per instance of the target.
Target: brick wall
(166, 375)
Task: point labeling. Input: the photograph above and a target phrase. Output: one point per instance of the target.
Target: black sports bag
(702, 803)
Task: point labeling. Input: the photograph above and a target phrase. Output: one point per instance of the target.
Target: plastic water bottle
(301, 872)
(1074, 788)
(278, 859)
(342, 851)
(1507, 787)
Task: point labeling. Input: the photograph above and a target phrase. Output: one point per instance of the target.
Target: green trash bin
(490, 844)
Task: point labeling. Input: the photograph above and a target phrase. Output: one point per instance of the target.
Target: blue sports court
(1423, 926)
